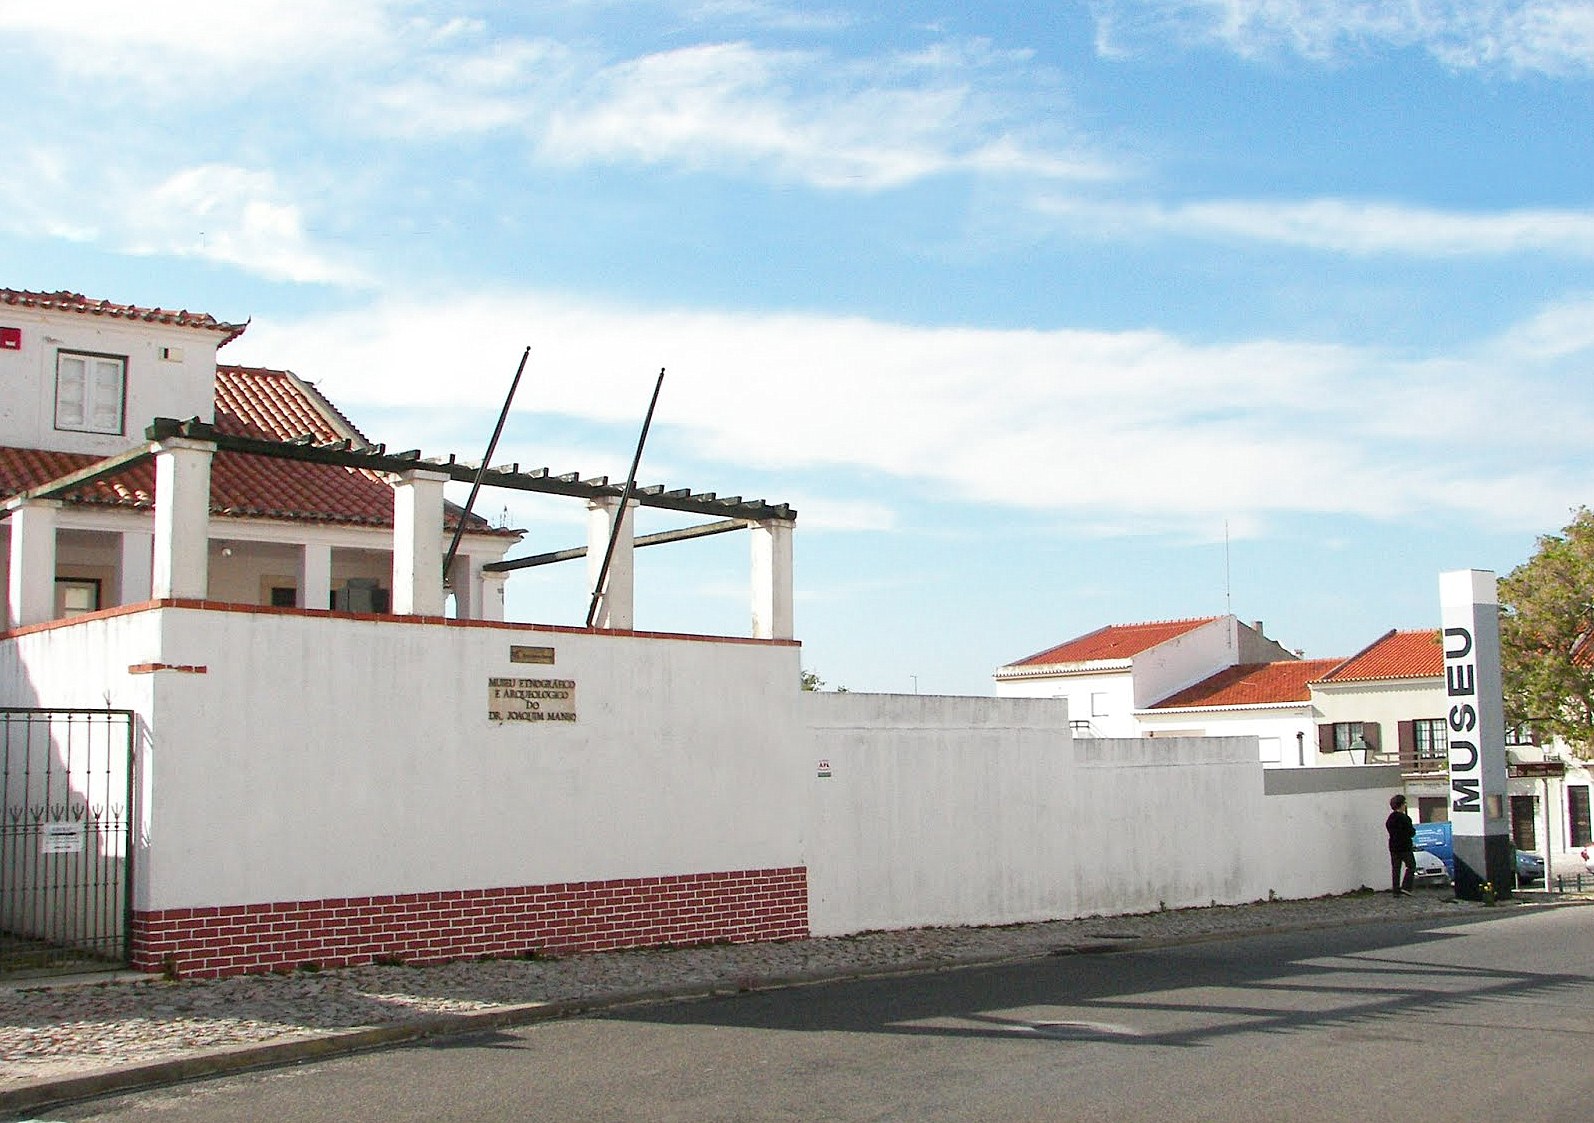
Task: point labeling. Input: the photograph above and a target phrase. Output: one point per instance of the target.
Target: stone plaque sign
(531, 699)
(521, 654)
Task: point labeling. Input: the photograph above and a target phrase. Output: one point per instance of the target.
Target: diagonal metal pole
(625, 497)
(476, 485)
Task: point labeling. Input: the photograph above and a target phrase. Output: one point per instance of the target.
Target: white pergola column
(493, 585)
(772, 579)
(418, 543)
(30, 596)
(465, 578)
(616, 601)
(136, 569)
(315, 575)
(181, 566)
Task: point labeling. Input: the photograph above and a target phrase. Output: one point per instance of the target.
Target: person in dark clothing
(1401, 833)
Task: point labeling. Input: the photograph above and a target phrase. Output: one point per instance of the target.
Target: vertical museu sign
(1475, 723)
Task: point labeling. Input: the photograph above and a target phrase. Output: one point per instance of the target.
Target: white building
(1113, 673)
(1384, 705)
(84, 379)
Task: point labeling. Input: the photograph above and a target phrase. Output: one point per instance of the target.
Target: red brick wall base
(740, 906)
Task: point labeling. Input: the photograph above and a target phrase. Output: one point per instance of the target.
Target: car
(1431, 870)
(1530, 867)
(1435, 840)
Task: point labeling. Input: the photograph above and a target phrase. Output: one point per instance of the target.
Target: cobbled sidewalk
(51, 1032)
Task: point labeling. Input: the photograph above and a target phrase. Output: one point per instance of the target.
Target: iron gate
(66, 854)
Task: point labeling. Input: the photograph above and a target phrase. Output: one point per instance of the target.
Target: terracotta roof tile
(1395, 654)
(250, 402)
(1116, 641)
(76, 302)
(1253, 684)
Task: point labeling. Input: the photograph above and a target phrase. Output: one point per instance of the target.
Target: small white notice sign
(61, 838)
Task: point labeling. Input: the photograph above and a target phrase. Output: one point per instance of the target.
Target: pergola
(182, 452)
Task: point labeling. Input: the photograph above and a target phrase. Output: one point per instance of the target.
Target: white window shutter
(71, 392)
(106, 397)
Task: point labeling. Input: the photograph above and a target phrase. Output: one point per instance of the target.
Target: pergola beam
(684, 534)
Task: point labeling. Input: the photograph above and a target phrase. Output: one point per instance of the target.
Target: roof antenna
(625, 497)
(1228, 592)
(476, 484)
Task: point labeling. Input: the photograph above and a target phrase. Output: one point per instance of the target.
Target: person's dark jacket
(1401, 832)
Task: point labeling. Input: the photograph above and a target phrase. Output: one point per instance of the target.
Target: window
(284, 596)
(1343, 736)
(76, 595)
(1098, 705)
(1430, 739)
(1271, 750)
(89, 392)
(1433, 809)
(1522, 733)
(1577, 814)
(1424, 745)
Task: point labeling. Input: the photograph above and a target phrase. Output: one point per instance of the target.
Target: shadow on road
(1174, 996)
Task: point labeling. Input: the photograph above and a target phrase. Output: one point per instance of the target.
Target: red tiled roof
(1116, 641)
(76, 302)
(1395, 654)
(1253, 684)
(250, 402)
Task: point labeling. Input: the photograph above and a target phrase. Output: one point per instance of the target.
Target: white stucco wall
(1185, 660)
(1105, 699)
(1388, 703)
(1274, 727)
(324, 757)
(984, 811)
(156, 387)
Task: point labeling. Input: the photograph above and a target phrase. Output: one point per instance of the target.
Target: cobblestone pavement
(50, 1031)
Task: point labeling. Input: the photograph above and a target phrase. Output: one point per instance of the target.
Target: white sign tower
(1469, 607)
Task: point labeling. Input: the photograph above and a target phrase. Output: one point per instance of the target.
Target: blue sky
(1043, 319)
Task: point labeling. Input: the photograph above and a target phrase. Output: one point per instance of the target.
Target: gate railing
(66, 834)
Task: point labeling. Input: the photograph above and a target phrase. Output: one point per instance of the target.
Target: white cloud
(799, 116)
(178, 44)
(230, 215)
(1340, 225)
(1136, 429)
(215, 212)
(1554, 37)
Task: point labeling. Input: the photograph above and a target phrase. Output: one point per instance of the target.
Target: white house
(1111, 674)
(84, 379)
(1272, 702)
(1384, 705)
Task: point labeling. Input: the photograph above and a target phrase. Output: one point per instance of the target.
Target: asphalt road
(1488, 1016)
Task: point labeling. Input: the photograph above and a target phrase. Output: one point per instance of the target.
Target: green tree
(812, 681)
(1547, 636)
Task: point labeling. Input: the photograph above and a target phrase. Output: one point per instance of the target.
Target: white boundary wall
(322, 757)
(953, 811)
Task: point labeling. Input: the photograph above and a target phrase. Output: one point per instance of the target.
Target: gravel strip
(53, 1031)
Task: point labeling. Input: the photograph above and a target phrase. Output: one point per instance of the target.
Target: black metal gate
(66, 839)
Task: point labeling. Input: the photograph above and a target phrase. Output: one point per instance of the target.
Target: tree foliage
(1547, 636)
(812, 681)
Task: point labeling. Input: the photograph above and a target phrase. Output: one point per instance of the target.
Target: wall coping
(192, 605)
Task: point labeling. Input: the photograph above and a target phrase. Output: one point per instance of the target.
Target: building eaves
(81, 305)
